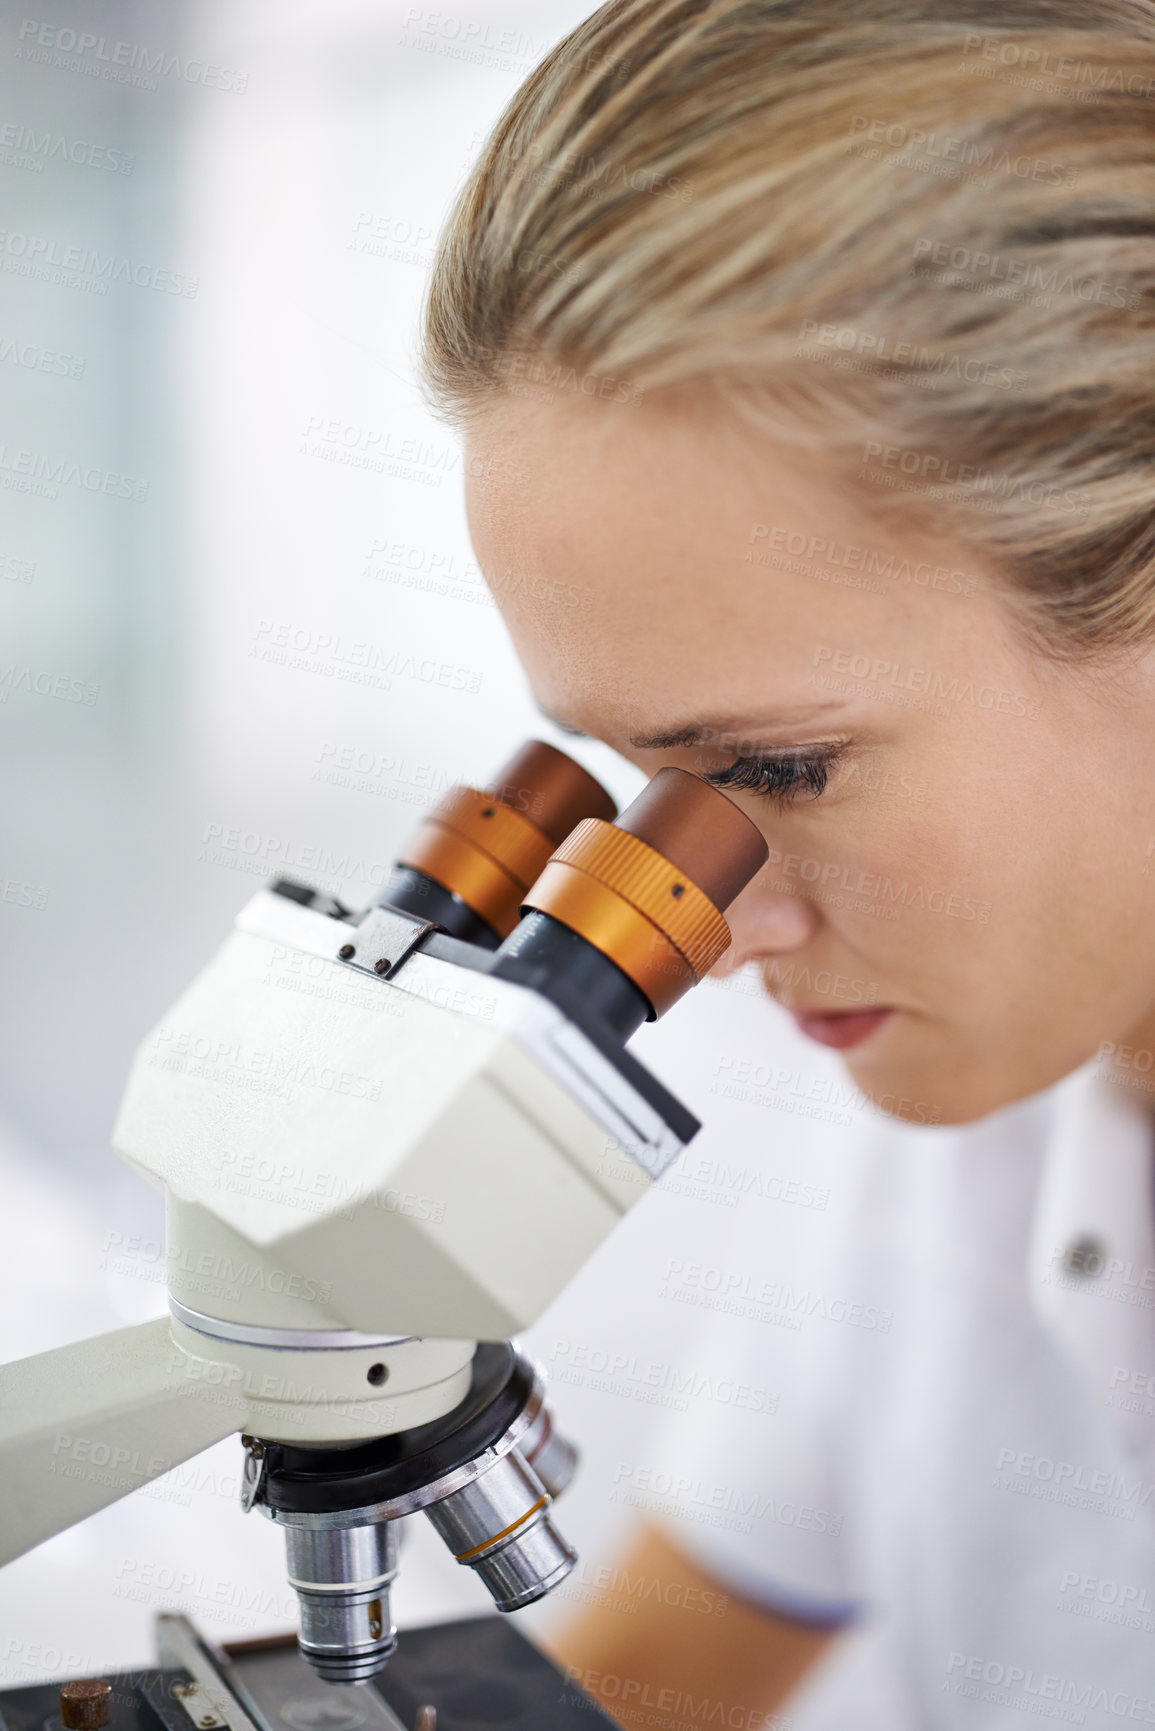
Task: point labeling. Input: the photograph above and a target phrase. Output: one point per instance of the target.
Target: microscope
(387, 1141)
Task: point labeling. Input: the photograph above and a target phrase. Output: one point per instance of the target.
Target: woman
(804, 354)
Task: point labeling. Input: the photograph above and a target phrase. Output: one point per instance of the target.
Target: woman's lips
(840, 1028)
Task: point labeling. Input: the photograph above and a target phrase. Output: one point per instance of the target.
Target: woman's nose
(764, 923)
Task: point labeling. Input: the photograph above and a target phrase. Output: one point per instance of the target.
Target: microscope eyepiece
(645, 895)
(471, 862)
(699, 830)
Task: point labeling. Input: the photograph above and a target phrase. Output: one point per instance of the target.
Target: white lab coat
(962, 1457)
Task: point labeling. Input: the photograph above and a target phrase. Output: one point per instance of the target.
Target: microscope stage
(479, 1674)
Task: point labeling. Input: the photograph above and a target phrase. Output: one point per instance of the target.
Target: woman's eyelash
(780, 778)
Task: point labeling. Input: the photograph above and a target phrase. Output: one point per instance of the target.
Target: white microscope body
(377, 1153)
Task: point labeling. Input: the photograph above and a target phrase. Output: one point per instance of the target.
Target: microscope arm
(82, 1426)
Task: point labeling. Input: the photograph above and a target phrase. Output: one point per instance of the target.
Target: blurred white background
(212, 291)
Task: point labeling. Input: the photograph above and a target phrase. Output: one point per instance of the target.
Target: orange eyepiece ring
(633, 905)
(485, 852)
(486, 846)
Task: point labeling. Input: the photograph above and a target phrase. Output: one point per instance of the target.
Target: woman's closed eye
(782, 778)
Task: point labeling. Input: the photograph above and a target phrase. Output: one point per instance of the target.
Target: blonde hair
(918, 235)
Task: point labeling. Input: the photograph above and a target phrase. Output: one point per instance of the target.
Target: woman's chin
(906, 1073)
(913, 1073)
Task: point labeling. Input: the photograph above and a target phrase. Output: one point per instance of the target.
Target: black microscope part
(542, 954)
(302, 1480)
(415, 893)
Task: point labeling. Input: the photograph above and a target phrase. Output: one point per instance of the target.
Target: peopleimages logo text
(36, 251)
(96, 55)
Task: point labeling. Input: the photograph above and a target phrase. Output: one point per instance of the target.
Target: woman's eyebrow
(697, 733)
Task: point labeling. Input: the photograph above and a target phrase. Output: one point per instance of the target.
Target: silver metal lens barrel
(342, 1577)
(500, 1527)
(551, 1455)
